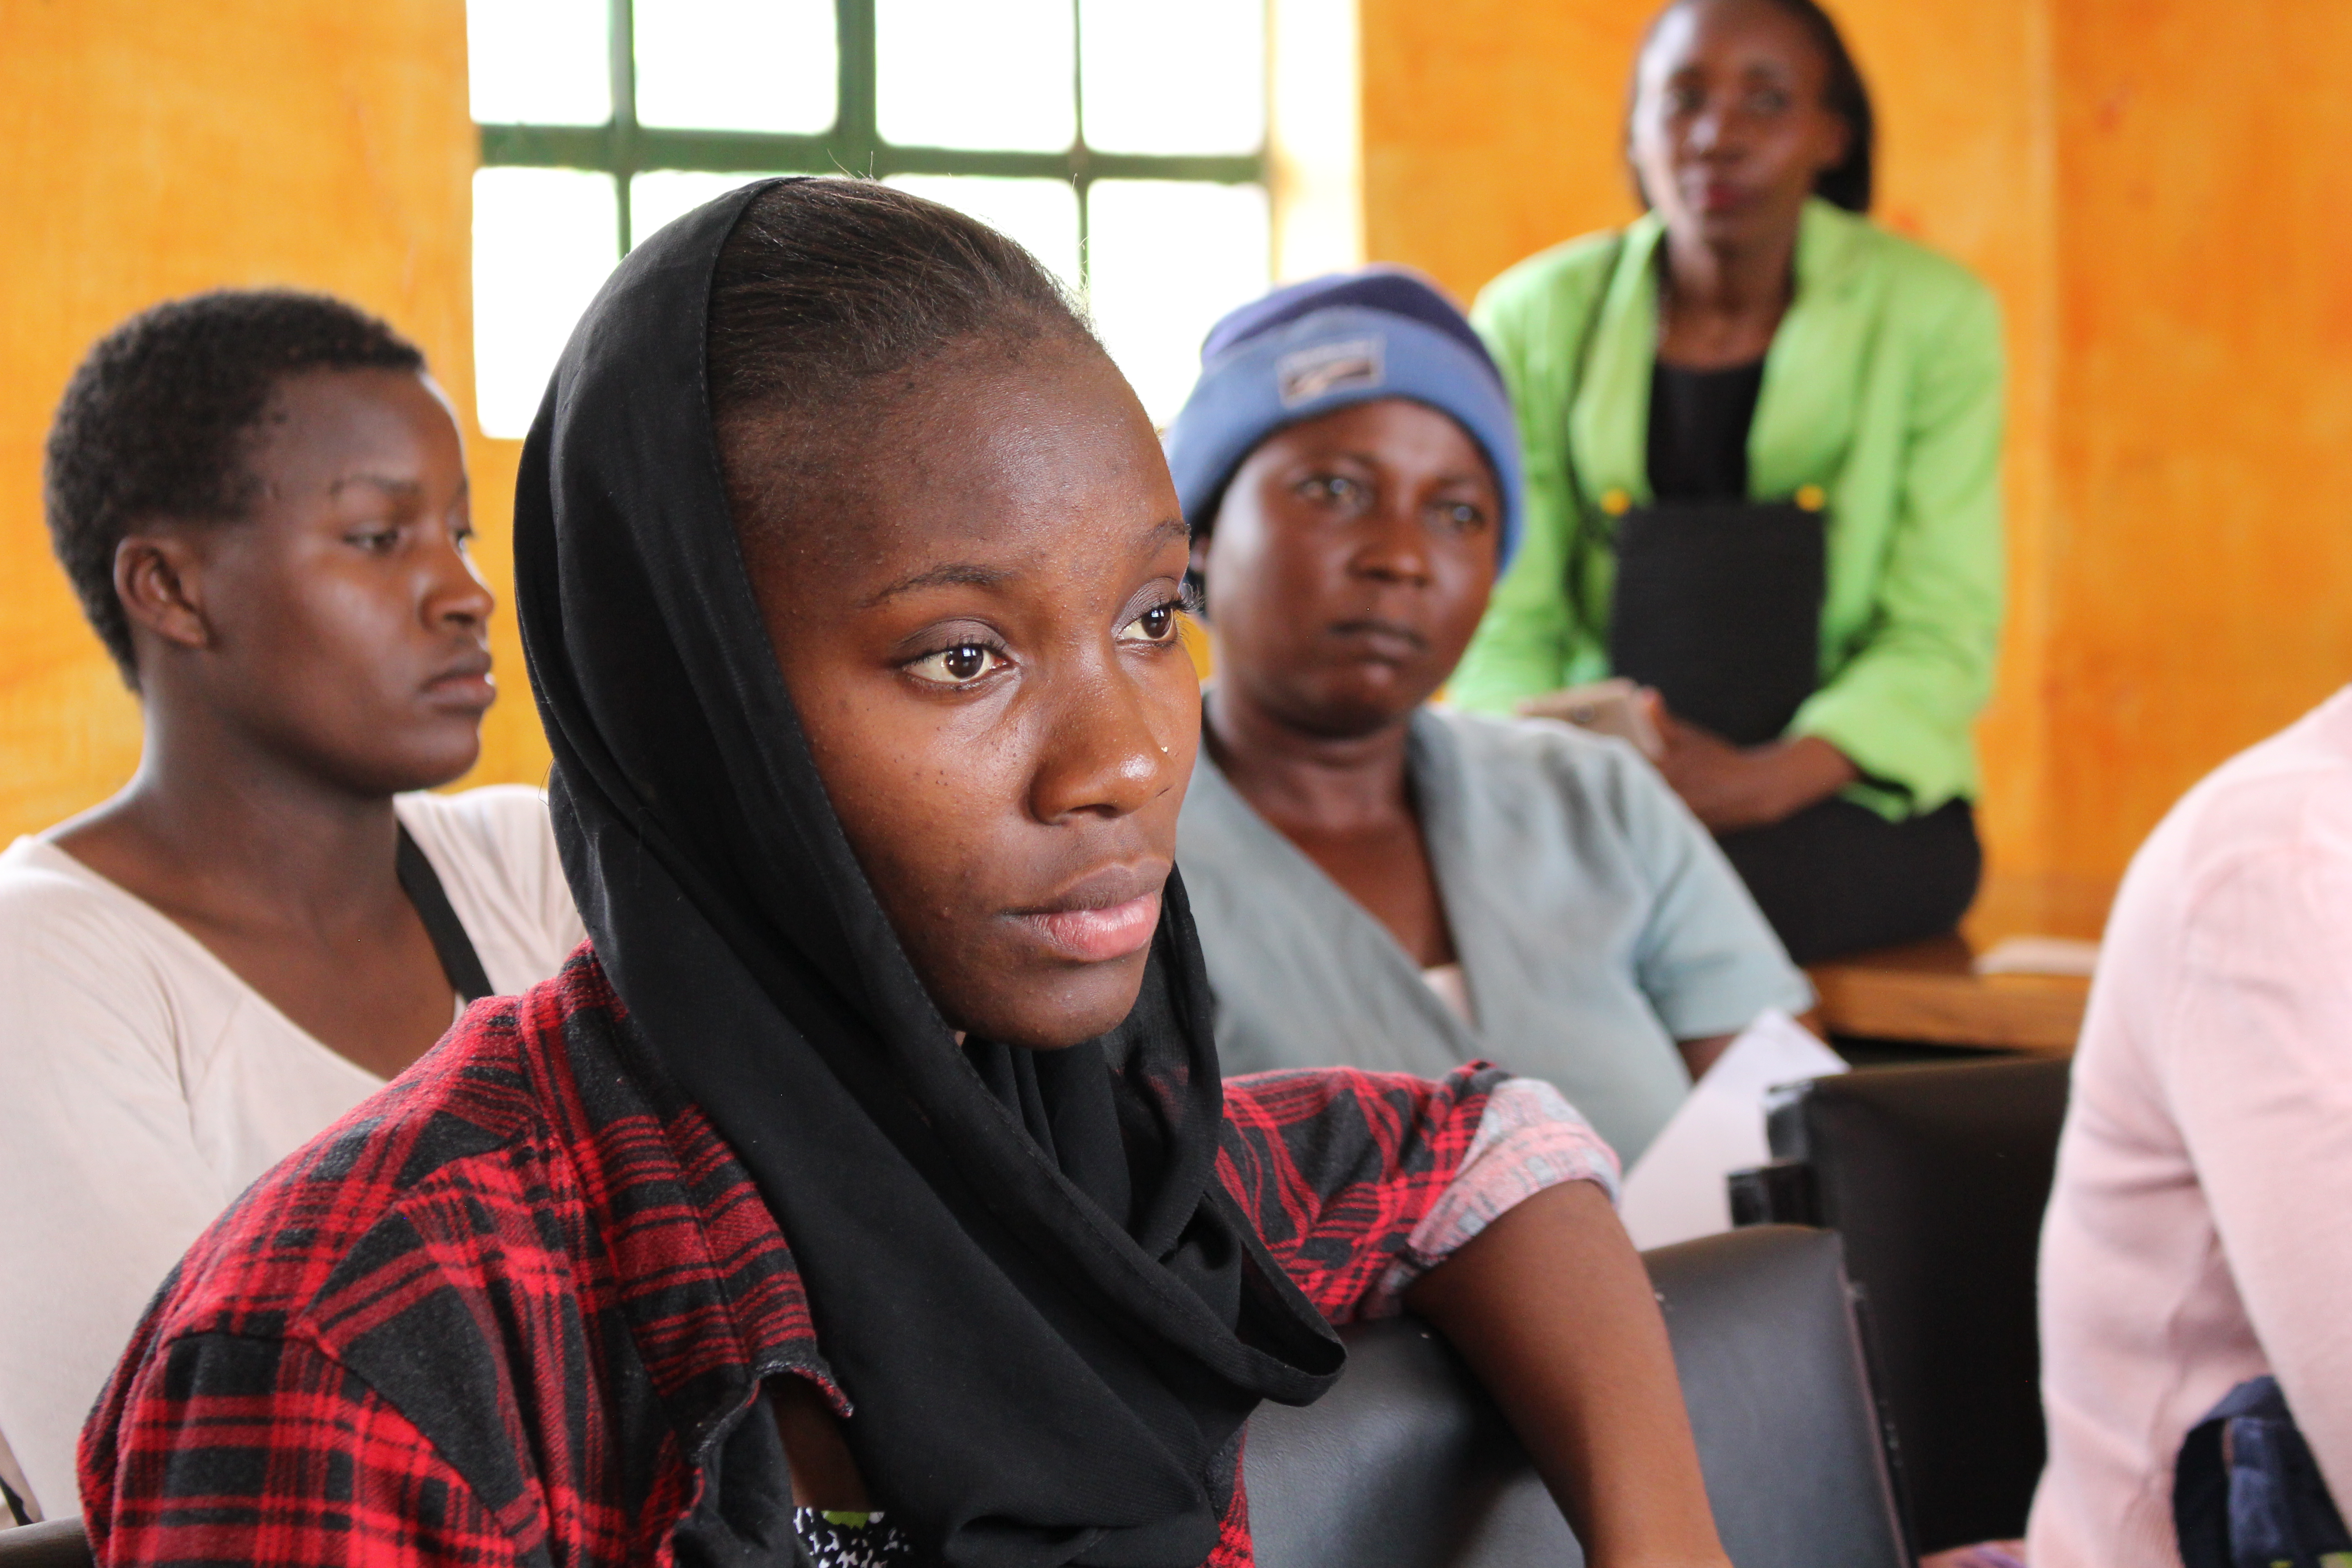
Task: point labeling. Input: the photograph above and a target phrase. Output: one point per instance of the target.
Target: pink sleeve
(1529, 1138)
(2256, 1063)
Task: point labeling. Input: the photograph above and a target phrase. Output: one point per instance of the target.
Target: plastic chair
(52, 1544)
(1936, 1177)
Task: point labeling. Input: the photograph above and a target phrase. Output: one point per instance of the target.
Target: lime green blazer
(1882, 388)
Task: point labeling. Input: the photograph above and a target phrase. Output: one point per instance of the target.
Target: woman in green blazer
(1753, 339)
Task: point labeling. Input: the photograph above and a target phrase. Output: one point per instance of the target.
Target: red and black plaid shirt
(507, 1309)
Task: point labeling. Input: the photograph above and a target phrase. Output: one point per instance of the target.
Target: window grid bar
(624, 148)
(750, 151)
(1082, 178)
(621, 47)
(854, 128)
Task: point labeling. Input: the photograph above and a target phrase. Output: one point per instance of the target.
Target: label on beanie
(1305, 374)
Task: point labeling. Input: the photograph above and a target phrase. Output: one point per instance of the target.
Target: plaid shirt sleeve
(267, 1451)
(1340, 1166)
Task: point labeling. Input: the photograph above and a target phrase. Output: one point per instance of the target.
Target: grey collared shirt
(1596, 921)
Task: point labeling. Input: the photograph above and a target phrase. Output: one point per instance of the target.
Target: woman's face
(979, 637)
(1350, 562)
(343, 623)
(1730, 130)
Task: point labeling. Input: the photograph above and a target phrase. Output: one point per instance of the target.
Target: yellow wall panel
(155, 150)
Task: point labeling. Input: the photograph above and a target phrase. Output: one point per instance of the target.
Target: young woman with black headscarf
(867, 1189)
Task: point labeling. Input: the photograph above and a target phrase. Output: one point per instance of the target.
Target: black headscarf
(1050, 1318)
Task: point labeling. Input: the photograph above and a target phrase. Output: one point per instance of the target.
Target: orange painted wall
(2156, 192)
(2201, 568)
(2153, 187)
(154, 150)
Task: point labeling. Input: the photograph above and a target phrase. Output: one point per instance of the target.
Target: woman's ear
(159, 578)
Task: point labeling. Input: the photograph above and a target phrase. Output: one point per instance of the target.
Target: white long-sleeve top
(2200, 1230)
(143, 1085)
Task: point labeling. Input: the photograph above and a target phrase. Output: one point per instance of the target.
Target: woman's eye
(1767, 100)
(1464, 518)
(376, 541)
(1157, 625)
(957, 666)
(1335, 487)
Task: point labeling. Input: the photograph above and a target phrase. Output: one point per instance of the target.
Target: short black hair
(159, 420)
(827, 296)
(1848, 182)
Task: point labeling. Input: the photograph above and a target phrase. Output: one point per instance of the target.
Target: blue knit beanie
(1332, 342)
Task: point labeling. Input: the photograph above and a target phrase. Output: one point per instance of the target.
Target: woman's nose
(1396, 548)
(455, 592)
(1103, 751)
(1719, 131)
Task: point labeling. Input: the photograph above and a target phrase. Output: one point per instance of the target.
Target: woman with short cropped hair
(261, 498)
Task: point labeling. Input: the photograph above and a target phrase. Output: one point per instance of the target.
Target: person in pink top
(2199, 1232)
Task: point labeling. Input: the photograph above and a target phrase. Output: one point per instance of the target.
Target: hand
(1729, 787)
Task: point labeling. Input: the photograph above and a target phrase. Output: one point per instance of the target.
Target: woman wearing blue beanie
(1377, 882)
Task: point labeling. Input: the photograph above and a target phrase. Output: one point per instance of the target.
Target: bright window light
(954, 73)
(1173, 97)
(737, 64)
(660, 195)
(1166, 259)
(1042, 214)
(538, 62)
(543, 243)
(1187, 79)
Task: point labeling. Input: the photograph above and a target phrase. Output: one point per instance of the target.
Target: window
(1123, 141)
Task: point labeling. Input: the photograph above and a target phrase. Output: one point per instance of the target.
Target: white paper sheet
(2040, 955)
(1676, 1189)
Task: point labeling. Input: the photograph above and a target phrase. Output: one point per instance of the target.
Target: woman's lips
(1721, 196)
(1384, 640)
(468, 686)
(1099, 934)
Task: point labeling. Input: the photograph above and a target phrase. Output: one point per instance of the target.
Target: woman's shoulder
(473, 1146)
(467, 1229)
(1583, 261)
(502, 825)
(2281, 810)
(495, 850)
(1919, 278)
(36, 877)
(1537, 789)
(63, 926)
(1564, 279)
(36, 873)
(1511, 755)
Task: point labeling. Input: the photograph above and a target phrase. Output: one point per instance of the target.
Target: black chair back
(1407, 1464)
(1936, 1177)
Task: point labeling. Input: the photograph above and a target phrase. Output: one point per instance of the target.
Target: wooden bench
(1930, 993)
